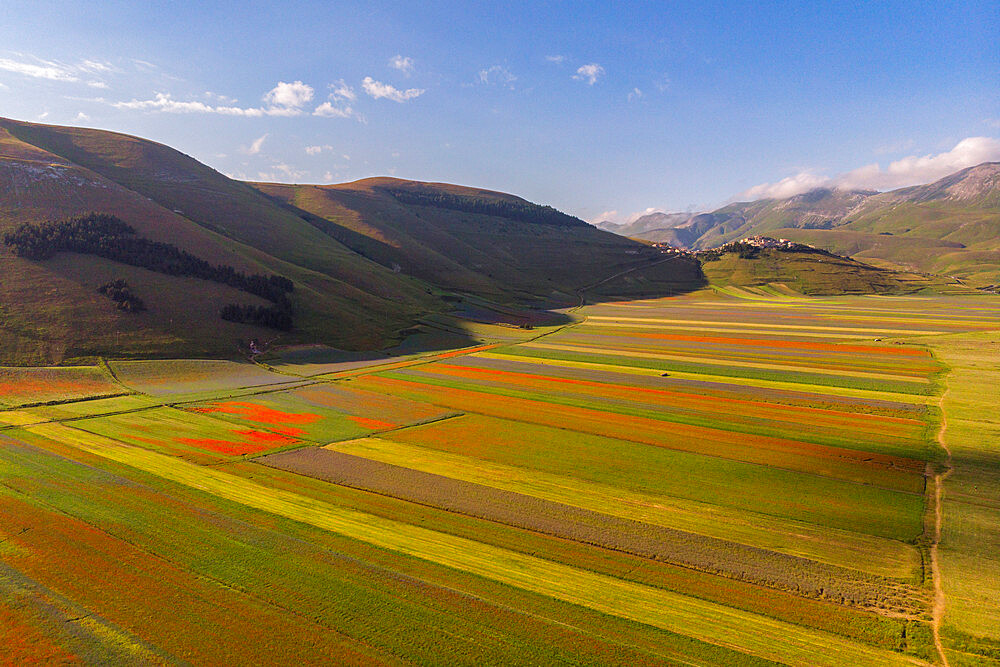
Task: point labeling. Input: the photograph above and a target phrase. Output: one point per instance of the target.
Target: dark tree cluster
(744, 250)
(512, 210)
(112, 238)
(118, 291)
(264, 316)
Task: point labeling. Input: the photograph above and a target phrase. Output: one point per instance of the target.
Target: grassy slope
(50, 311)
(367, 302)
(492, 256)
(810, 273)
(935, 237)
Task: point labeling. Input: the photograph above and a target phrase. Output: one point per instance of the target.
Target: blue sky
(600, 109)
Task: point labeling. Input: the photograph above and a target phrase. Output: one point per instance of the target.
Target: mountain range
(949, 227)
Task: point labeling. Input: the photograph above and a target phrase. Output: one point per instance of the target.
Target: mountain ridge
(950, 226)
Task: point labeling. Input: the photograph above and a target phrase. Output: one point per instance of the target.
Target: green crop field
(738, 476)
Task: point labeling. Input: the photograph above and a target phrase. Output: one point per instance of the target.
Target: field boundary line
(938, 608)
(106, 367)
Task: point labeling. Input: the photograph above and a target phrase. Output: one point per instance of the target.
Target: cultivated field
(737, 477)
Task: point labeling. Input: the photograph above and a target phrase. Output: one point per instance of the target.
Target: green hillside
(814, 273)
(367, 260)
(944, 237)
(442, 234)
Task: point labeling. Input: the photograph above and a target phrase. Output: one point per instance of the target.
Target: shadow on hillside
(474, 321)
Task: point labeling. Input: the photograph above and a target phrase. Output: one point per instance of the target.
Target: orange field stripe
(914, 368)
(683, 437)
(706, 357)
(666, 393)
(373, 424)
(797, 344)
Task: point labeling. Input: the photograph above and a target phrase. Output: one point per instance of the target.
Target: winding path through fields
(939, 599)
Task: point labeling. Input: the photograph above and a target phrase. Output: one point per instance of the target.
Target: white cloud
(786, 187)
(634, 95)
(338, 106)
(663, 83)
(992, 122)
(499, 75)
(640, 214)
(911, 170)
(97, 84)
(609, 216)
(377, 89)
(316, 150)
(289, 96)
(42, 69)
(285, 99)
(619, 218)
(342, 91)
(37, 68)
(256, 145)
(589, 73)
(403, 63)
(43, 115)
(81, 117)
(329, 110)
(95, 66)
(328, 177)
(557, 59)
(165, 103)
(223, 99)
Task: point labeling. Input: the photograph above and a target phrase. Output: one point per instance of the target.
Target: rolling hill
(367, 260)
(810, 271)
(467, 239)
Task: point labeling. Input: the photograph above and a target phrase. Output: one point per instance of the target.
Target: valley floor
(738, 477)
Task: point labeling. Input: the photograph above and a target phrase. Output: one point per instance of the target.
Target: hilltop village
(758, 242)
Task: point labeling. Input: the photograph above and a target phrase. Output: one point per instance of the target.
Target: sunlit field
(730, 477)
